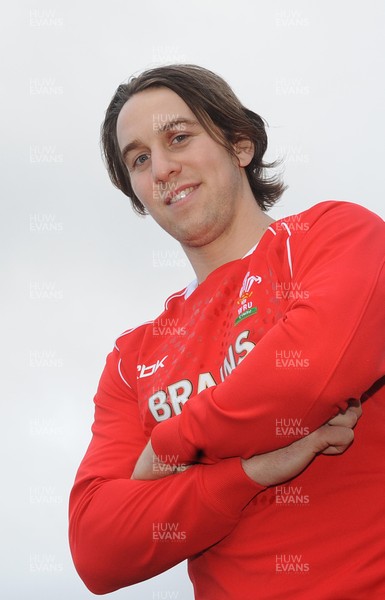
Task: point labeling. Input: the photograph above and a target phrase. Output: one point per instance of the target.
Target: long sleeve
(123, 531)
(327, 348)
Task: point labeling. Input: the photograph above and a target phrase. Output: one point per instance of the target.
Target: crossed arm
(274, 467)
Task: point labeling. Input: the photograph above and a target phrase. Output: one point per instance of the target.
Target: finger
(356, 406)
(350, 417)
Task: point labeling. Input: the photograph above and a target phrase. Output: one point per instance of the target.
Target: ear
(244, 151)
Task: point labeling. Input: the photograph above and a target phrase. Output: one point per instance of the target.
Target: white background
(79, 267)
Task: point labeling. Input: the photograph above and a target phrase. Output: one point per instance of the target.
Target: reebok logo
(151, 369)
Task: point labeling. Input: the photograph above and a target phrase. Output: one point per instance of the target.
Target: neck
(245, 232)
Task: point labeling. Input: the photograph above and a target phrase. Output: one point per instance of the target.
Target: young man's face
(188, 182)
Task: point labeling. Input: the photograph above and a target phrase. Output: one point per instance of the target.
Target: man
(281, 331)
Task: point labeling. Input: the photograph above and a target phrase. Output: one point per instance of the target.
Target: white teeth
(181, 195)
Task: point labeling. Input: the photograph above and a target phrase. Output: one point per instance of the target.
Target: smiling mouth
(182, 194)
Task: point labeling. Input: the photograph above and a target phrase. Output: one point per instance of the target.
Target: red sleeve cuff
(168, 445)
(228, 487)
(225, 484)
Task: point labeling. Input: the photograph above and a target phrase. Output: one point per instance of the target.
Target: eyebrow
(174, 122)
(167, 126)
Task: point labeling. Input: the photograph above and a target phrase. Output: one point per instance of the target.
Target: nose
(164, 166)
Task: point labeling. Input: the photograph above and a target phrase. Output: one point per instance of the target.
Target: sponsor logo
(164, 402)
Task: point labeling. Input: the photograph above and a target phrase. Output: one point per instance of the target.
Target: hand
(348, 418)
(351, 415)
(279, 466)
(149, 466)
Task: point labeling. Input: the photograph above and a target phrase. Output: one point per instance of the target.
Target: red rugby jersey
(265, 350)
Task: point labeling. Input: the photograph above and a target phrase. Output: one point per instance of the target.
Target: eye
(140, 160)
(179, 138)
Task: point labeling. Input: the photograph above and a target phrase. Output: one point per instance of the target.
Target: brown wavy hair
(217, 109)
